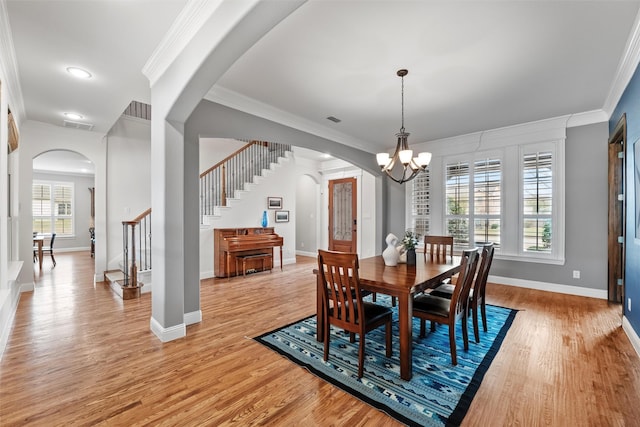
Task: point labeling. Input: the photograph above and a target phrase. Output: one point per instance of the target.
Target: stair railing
(136, 247)
(233, 172)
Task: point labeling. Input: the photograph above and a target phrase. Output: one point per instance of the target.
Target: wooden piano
(251, 245)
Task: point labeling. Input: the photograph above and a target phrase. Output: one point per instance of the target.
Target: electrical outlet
(628, 304)
(576, 274)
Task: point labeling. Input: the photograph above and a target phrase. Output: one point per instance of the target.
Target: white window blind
(52, 208)
(457, 200)
(487, 178)
(420, 203)
(537, 197)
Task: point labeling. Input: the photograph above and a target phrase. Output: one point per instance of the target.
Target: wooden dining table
(403, 282)
(39, 242)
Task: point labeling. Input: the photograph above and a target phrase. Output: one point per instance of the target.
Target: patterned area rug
(438, 393)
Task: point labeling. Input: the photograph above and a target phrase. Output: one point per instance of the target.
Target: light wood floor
(78, 355)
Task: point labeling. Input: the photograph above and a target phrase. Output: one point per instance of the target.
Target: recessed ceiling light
(79, 72)
(73, 116)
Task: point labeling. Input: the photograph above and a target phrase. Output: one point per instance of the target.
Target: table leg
(40, 253)
(405, 319)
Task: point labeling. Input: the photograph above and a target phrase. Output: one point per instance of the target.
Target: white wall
(213, 150)
(129, 172)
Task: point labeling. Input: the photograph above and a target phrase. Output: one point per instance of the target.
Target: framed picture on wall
(282, 216)
(274, 202)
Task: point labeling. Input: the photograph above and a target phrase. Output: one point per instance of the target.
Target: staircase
(220, 185)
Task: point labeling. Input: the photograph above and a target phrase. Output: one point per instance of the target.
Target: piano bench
(245, 258)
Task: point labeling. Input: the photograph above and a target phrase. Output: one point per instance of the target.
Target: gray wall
(306, 214)
(586, 199)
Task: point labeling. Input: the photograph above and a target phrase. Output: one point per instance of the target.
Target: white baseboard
(193, 317)
(550, 287)
(206, 275)
(633, 337)
(79, 249)
(168, 334)
(310, 254)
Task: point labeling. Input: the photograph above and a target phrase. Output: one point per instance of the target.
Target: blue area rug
(438, 394)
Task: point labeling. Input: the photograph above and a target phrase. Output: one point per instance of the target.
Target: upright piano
(244, 243)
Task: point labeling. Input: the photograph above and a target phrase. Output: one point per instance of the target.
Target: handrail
(136, 246)
(141, 216)
(231, 174)
(232, 155)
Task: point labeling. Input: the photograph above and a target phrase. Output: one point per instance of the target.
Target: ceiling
(472, 66)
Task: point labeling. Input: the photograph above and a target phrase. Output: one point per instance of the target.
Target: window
(503, 185)
(457, 202)
(487, 177)
(537, 202)
(52, 207)
(420, 195)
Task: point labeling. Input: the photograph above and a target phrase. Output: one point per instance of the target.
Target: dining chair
(343, 304)
(449, 311)
(438, 246)
(49, 249)
(477, 292)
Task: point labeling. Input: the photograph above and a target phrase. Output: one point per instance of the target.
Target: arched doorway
(62, 194)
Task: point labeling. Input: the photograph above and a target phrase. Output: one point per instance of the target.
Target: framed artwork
(282, 216)
(274, 202)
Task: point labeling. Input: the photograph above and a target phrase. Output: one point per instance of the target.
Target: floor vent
(78, 125)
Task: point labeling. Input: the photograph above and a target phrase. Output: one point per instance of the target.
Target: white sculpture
(391, 255)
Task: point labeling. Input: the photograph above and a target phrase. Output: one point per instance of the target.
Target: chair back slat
(438, 246)
(460, 296)
(480, 285)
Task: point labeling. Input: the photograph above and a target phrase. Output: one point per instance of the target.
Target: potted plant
(409, 242)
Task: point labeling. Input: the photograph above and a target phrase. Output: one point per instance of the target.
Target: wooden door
(617, 221)
(343, 231)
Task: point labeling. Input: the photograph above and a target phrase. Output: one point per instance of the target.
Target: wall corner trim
(193, 317)
(633, 336)
(168, 334)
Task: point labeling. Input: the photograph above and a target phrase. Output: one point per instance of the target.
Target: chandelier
(403, 167)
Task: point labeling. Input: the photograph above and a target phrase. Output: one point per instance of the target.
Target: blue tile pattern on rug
(438, 393)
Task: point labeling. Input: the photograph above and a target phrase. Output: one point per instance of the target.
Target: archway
(63, 183)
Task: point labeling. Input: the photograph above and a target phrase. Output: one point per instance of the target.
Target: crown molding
(626, 68)
(186, 25)
(9, 67)
(237, 101)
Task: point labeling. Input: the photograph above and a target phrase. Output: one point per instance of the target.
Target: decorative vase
(390, 254)
(265, 219)
(411, 257)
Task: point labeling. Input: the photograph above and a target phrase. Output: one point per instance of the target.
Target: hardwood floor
(78, 355)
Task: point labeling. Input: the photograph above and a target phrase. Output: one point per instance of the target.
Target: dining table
(403, 282)
(38, 241)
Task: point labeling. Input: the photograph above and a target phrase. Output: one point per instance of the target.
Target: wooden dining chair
(477, 292)
(438, 246)
(343, 304)
(450, 311)
(49, 249)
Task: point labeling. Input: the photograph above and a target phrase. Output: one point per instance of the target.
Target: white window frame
(556, 256)
(508, 144)
(470, 159)
(54, 214)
